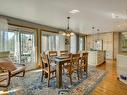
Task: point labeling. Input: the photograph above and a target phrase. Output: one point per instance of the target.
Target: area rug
(31, 84)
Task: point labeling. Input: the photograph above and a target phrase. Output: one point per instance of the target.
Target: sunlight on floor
(39, 70)
(12, 90)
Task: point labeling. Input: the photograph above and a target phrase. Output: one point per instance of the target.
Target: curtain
(3, 29)
(3, 24)
(51, 41)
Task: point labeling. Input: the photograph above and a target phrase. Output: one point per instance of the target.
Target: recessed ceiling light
(118, 25)
(74, 11)
(114, 16)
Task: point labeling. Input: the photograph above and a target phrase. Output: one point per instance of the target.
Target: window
(52, 41)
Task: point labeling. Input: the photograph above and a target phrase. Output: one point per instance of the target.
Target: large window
(21, 44)
(52, 41)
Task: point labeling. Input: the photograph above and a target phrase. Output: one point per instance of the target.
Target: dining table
(59, 64)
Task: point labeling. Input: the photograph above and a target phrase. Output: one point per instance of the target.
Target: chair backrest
(69, 55)
(64, 53)
(45, 61)
(84, 58)
(75, 59)
(52, 53)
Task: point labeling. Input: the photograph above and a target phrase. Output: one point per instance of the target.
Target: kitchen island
(96, 57)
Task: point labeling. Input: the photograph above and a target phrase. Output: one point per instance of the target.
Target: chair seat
(52, 69)
(71, 70)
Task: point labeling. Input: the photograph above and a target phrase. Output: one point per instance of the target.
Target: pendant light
(68, 31)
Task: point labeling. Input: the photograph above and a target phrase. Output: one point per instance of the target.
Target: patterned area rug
(31, 84)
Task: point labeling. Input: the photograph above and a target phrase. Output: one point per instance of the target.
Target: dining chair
(73, 65)
(83, 65)
(52, 53)
(63, 53)
(47, 68)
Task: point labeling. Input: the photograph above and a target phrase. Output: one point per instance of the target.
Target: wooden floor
(110, 85)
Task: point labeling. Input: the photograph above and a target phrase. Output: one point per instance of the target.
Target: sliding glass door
(27, 49)
(21, 44)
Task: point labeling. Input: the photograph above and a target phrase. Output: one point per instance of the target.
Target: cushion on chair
(52, 68)
(6, 64)
(18, 70)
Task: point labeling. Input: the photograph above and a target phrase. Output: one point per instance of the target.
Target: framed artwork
(123, 41)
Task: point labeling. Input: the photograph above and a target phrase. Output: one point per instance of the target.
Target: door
(21, 45)
(27, 49)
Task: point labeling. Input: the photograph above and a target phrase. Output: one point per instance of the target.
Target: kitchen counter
(122, 67)
(96, 58)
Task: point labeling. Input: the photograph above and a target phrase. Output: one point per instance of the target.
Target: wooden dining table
(59, 62)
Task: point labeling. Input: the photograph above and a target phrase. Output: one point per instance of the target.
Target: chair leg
(55, 74)
(84, 69)
(48, 79)
(78, 74)
(81, 73)
(8, 80)
(23, 73)
(70, 79)
(63, 69)
(42, 76)
(86, 73)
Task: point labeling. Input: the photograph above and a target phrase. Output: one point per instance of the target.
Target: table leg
(59, 75)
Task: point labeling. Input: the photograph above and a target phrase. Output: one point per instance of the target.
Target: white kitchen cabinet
(96, 57)
(122, 67)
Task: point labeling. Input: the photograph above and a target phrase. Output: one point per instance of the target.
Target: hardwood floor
(110, 85)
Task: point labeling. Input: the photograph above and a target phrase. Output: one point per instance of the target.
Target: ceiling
(105, 15)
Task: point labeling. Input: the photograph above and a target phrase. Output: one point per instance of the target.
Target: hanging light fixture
(68, 31)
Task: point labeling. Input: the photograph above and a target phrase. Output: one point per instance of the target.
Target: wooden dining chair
(64, 53)
(52, 53)
(73, 65)
(83, 65)
(47, 68)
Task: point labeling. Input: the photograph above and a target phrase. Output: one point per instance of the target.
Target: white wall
(62, 42)
(73, 44)
(107, 43)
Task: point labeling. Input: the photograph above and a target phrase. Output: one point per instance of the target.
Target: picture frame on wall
(123, 41)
